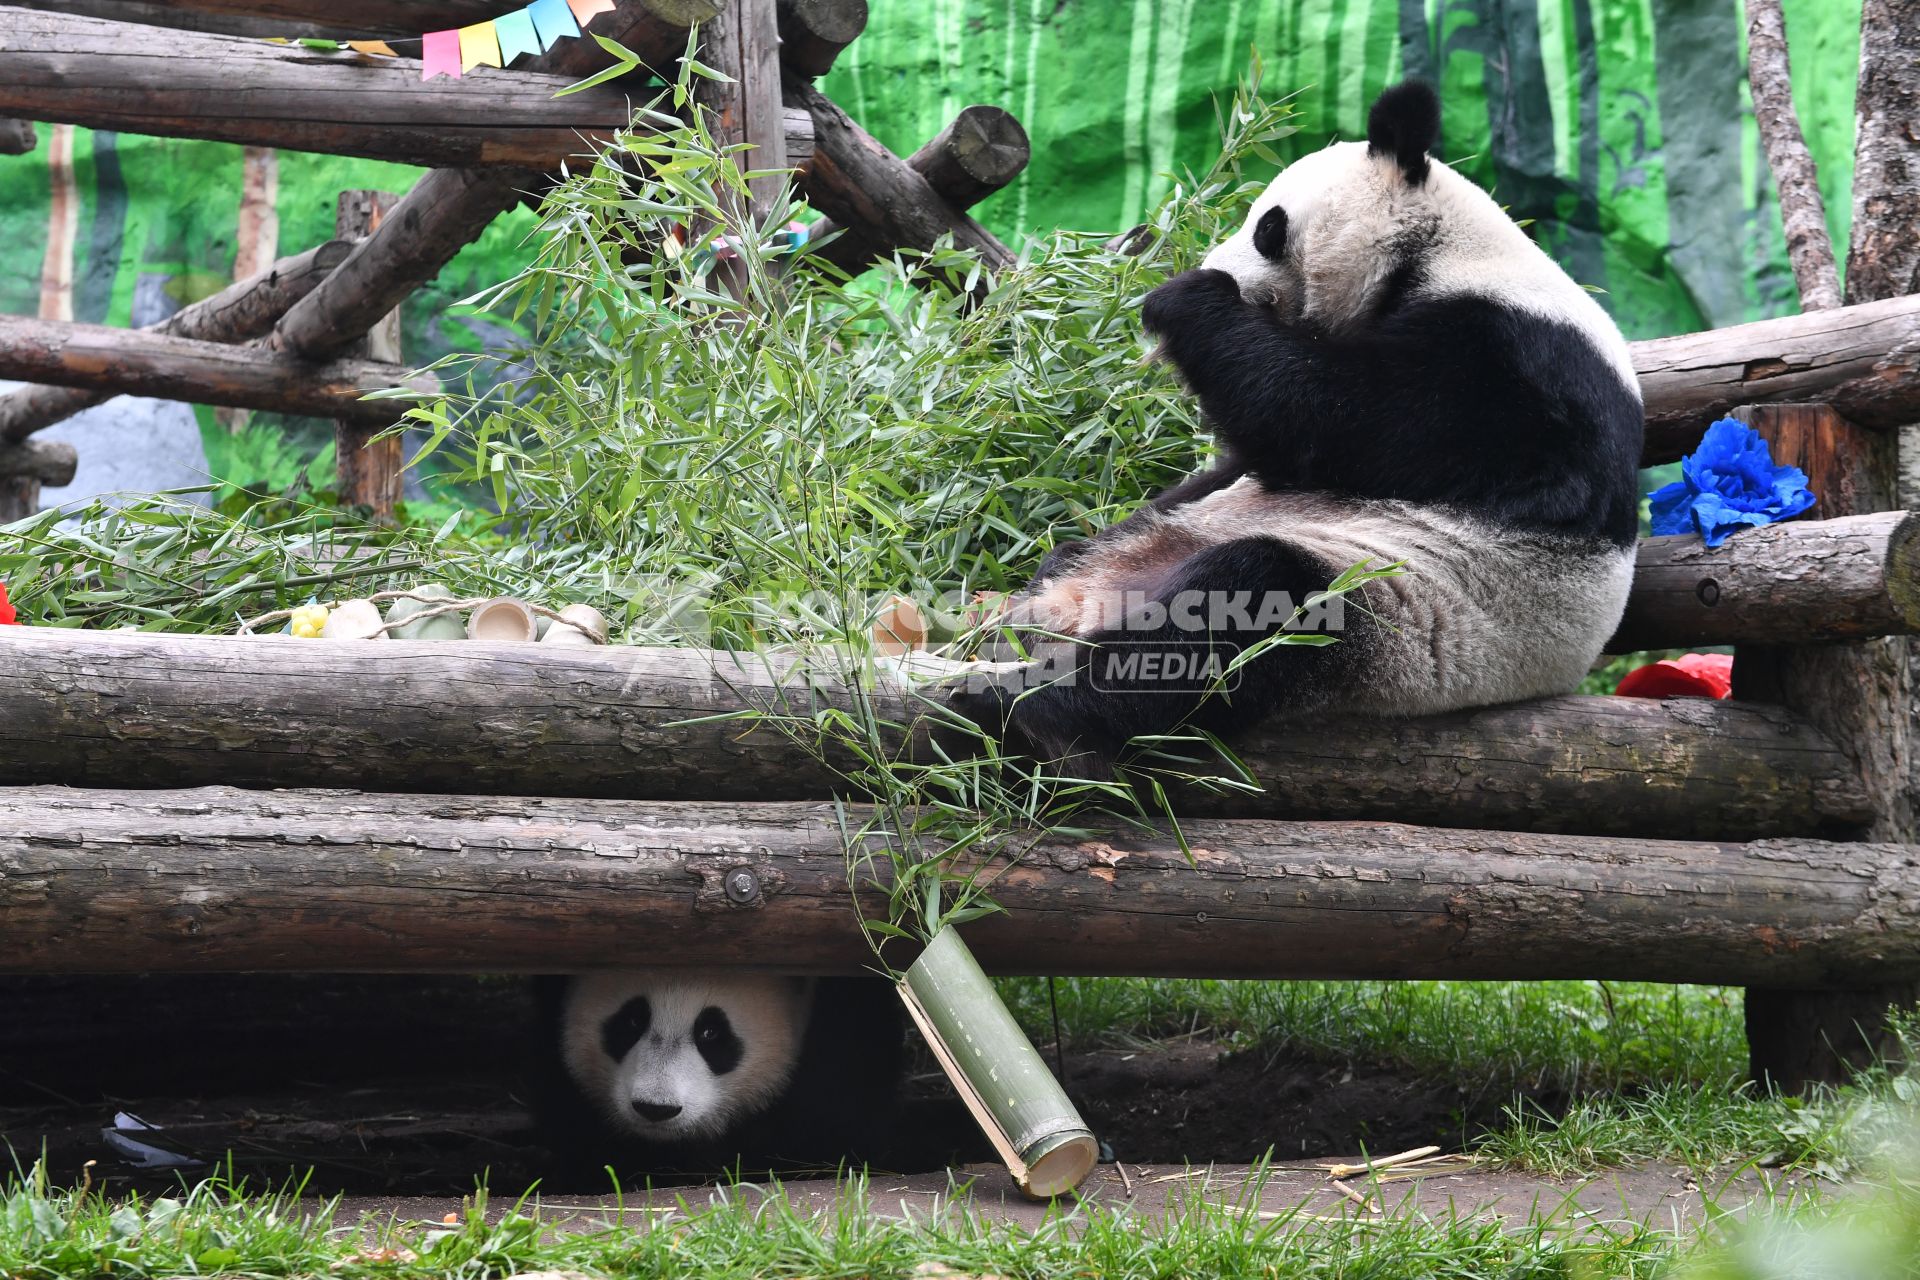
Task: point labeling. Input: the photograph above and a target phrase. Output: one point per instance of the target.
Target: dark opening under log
(1792, 583)
(221, 879)
(124, 709)
(143, 363)
(244, 309)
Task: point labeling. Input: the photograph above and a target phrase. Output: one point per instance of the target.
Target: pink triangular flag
(440, 54)
(478, 46)
(583, 10)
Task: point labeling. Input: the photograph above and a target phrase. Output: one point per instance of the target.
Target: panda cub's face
(675, 1057)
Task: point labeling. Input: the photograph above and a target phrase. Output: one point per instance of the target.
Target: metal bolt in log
(813, 32)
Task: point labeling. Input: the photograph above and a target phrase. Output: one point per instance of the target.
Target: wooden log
(142, 363)
(980, 151)
(17, 137)
(813, 32)
(368, 462)
(1860, 694)
(108, 75)
(860, 184)
(110, 708)
(45, 461)
(243, 310)
(1864, 360)
(449, 208)
(222, 879)
(292, 19)
(743, 44)
(1799, 582)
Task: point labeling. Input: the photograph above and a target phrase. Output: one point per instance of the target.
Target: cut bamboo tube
(997, 1071)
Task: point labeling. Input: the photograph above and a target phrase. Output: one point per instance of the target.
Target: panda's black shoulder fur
(840, 1106)
(1453, 400)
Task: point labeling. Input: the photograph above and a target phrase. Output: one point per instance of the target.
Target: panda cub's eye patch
(713, 1036)
(623, 1030)
(1270, 233)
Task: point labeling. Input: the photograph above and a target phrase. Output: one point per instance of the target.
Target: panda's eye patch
(1270, 233)
(713, 1036)
(620, 1032)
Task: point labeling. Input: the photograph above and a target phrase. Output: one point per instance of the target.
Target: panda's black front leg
(1236, 356)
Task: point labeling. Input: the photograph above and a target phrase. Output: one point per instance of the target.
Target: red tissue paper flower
(7, 616)
(1692, 675)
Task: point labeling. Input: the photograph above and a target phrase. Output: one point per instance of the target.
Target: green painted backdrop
(1621, 128)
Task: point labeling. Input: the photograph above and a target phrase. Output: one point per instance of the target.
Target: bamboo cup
(502, 618)
(997, 1071)
(353, 620)
(590, 627)
(446, 626)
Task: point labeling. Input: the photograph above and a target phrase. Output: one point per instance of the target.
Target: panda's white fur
(665, 1068)
(1394, 373)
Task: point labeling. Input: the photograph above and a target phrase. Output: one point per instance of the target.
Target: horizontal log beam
(857, 182)
(449, 208)
(1864, 360)
(242, 311)
(1793, 583)
(124, 708)
(43, 461)
(221, 879)
(141, 363)
(322, 19)
(107, 75)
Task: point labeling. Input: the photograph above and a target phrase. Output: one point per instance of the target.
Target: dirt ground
(385, 1086)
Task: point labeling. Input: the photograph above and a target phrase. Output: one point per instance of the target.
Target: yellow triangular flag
(378, 47)
(478, 45)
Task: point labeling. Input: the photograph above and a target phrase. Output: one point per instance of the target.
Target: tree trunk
(367, 460)
(241, 311)
(220, 879)
(1864, 360)
(1803, 213)
(1883, 260)
(143, 363)
(1795, 583)
(124, 709)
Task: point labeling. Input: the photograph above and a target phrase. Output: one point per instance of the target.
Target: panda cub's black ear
(1405, 124)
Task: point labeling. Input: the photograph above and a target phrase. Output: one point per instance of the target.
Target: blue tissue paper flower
(1728, 483)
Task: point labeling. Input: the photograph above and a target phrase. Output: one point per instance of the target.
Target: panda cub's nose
(655, 1111)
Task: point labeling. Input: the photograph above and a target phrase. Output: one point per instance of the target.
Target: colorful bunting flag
(378, 47)
(553, 20)
(440, 54)
(583, 10)
(516, 34)
(478, 47)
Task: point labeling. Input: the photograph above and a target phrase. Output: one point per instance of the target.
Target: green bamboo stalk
(1002, 1078)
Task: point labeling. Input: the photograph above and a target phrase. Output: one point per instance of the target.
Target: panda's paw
(1190, 299)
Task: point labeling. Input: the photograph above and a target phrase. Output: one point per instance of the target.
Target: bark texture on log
(1860, 693)
(293, 19)
(367, 463)
(1799, 582)
(243, 310)
(109, 75)
(980, 151)
(449, 208)
(743, 44)
(813, 32)
(46, 461)
(17, 137)
(143, 363)
(1864, 360)
(119, 709)
(1883, 260)
(1803, 213)
(858, 183)
(224, 879)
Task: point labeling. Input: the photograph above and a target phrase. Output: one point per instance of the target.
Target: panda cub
(1393, 373)
(664, 1072)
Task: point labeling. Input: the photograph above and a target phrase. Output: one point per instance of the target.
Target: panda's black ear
(1405, 124)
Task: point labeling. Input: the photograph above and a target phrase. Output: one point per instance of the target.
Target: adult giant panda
(1394, 372)
(662, 1072)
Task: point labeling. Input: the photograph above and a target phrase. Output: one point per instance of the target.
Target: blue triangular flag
(516, 34)
(553, 20)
